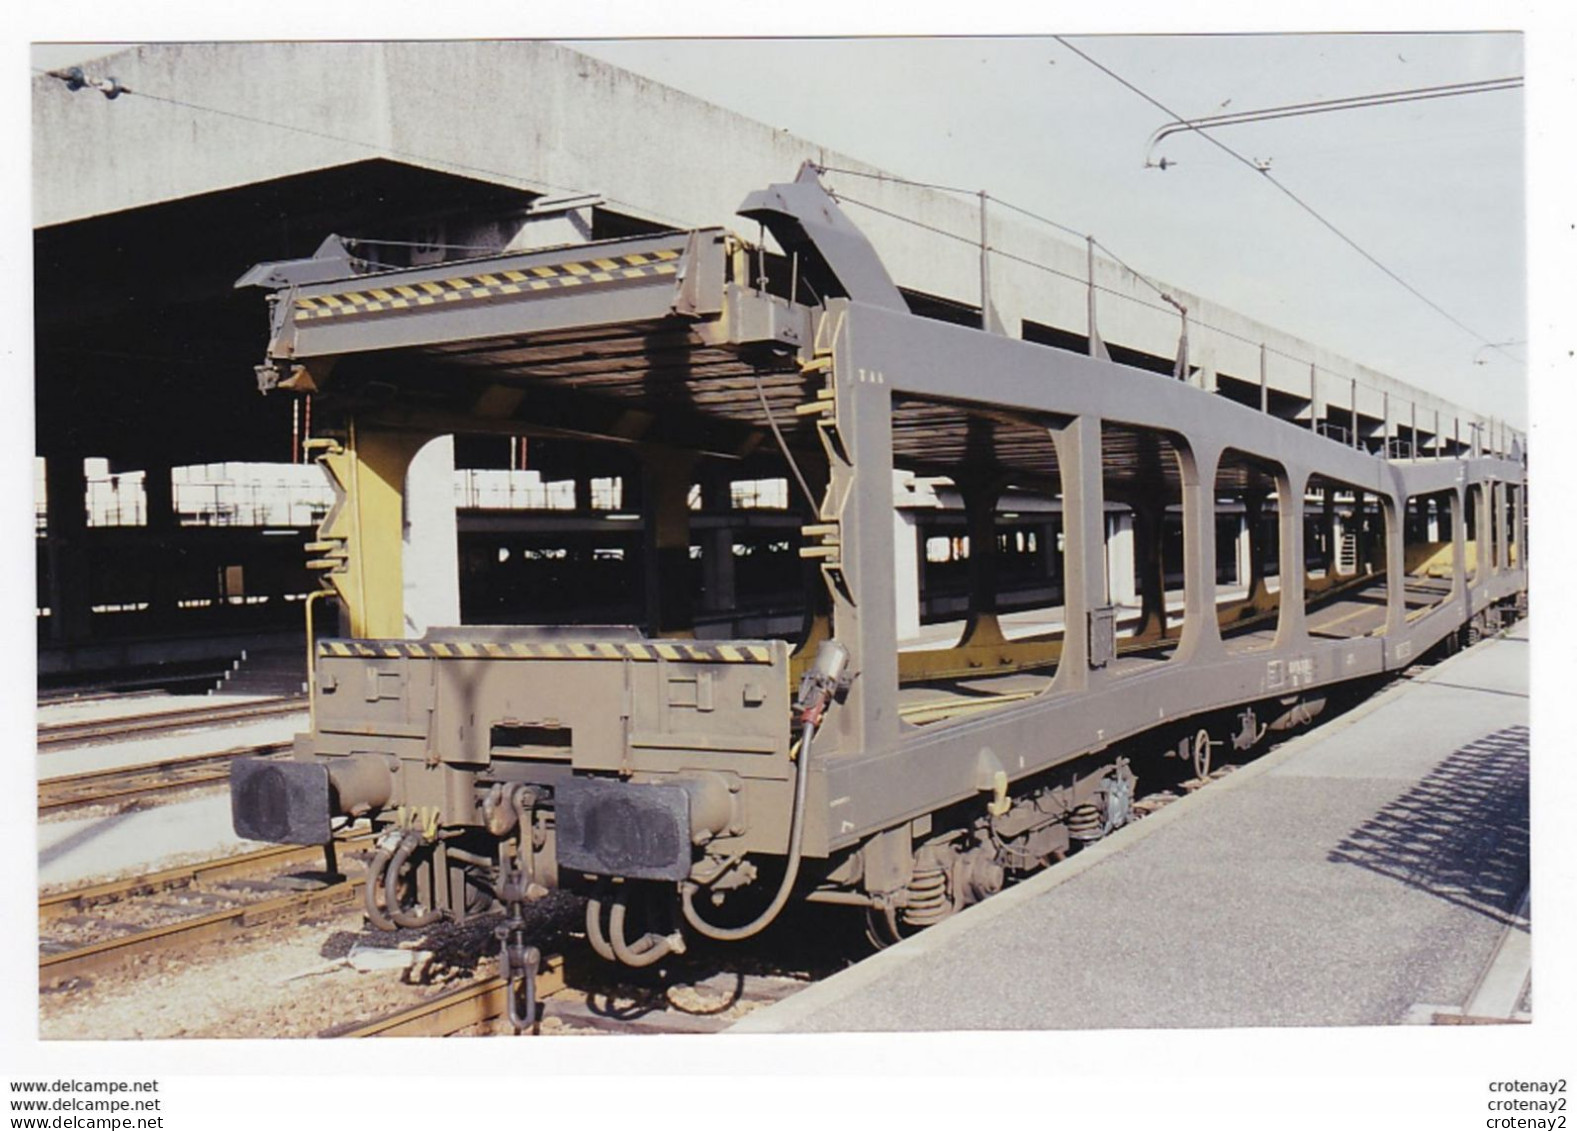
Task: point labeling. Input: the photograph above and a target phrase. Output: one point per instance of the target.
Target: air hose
(391, 882)
(594, 932)
(824, 681)
(790, 871)
(644, 951)
(374, 885)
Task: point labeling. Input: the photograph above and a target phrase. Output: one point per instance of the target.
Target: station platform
(1373, 871)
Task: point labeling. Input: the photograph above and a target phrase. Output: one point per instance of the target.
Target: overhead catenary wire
(1333, 105)
(1483, 339)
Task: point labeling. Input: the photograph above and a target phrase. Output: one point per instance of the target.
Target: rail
(185, 718)
(97, 787)
(71, 962)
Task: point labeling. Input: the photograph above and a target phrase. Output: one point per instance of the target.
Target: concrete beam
(260, 111)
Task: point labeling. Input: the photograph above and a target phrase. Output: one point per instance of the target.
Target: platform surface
(1367, 873)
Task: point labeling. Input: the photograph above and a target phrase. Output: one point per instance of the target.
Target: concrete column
(980, 512)
(70, 579)
(717, 550)
(1333, 531)
(906, 572)
(1264, 381)
(1251, 543)
(430, 540)
(717, 569)
(159, 498)
(666, 477)
(1352, 407)
(1149, 527)
(159, 501)
(1314, 399)
(1050, 557)
(989, 320)
(1119, 560)
(1245, 552)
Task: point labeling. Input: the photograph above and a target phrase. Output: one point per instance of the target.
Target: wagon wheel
(1202, 747)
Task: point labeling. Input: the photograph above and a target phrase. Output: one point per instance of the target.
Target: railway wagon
(691, 786)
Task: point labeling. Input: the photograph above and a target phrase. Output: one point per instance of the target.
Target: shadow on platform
(1460, 834)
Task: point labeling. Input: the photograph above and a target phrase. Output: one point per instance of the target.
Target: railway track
(159, 722)
(453, 1011)
(694, 1008)
(154, 913)
(98, 787)
(75, 698)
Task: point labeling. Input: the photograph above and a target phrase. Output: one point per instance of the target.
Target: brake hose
(791, 870)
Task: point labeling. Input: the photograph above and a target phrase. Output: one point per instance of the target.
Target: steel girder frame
(474, 300)
(876, 772)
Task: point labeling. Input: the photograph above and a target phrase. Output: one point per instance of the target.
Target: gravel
(288, 981)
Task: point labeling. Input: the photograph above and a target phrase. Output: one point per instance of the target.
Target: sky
(1433, 190)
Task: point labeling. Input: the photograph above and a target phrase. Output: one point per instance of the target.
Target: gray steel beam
(874, 785)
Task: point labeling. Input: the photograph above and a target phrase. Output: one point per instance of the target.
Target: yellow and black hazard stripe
(646, 651)
(468, 288)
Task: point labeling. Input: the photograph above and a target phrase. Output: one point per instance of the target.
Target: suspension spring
(1086, 823)
(928, 898)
